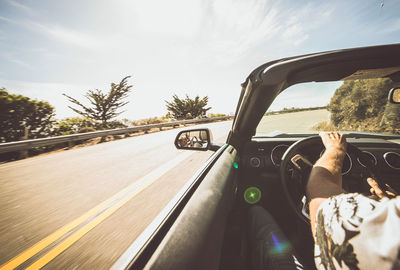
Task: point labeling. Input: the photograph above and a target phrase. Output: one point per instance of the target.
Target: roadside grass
(150, 121)
(324, 126)
(368, 125)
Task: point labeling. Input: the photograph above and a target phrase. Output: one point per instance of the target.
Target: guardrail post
(71, 144)
(24, 153)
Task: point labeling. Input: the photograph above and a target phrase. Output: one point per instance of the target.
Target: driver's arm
(326, 176)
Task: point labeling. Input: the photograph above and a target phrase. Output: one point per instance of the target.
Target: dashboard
(263, 155)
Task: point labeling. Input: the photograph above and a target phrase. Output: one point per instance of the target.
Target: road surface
(296, 122)
(82, 208)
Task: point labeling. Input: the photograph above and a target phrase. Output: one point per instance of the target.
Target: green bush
(211, 115)
(18, 112)
(73, 125)
(362, 105)
(86, 129)
(115, 124)
(149, 121)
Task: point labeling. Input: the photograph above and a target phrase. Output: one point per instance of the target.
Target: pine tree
(104, 107)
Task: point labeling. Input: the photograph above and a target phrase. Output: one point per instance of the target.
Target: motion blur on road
(82, 208)
(42, 194)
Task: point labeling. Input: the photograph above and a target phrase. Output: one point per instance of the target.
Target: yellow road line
(146, 180)
(82, 231)
(22, 257)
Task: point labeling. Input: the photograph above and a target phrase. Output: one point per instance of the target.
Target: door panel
(195, 239)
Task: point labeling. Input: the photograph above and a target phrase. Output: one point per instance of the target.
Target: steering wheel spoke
(301, 163)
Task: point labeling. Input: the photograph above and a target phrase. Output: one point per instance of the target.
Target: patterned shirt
(356, 232)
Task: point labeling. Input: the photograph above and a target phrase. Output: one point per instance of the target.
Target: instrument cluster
(268, 156)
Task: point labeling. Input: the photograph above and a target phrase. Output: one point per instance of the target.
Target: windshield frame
(274, 77)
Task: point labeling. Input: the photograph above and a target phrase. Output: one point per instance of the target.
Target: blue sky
(194, 47)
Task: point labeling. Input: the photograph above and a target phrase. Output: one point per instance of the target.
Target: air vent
(392, 160)
(368, 157)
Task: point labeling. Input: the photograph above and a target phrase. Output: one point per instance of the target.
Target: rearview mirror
(394, 95)
(194, 139)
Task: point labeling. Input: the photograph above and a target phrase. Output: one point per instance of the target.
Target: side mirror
(394, 95)
(195, 139)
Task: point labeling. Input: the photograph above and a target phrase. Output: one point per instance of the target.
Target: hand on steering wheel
(334, 140)
(295, 190)
(333, 156)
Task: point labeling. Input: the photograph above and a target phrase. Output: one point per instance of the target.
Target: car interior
(207, 228)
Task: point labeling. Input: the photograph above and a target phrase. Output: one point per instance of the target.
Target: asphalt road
(292, 122)
(40, 195)
(82, 208)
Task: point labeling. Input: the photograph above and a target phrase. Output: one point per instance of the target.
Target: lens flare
(278, 246)
(252, 195)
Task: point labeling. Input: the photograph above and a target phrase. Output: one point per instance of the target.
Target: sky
(193, 47)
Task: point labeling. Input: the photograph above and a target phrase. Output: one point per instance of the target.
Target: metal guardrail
(27, 144)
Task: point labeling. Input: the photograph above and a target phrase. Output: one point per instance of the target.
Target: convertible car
(268, 153)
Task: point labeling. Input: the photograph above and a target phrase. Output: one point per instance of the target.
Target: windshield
(356, 105)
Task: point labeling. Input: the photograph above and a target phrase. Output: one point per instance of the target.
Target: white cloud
(6, 19)
(19, 62)
(63, 34)
(303, 20)
(172, 18)
(70, 36)
(11, 57)
(232, 29)
(295, 34)
(20, 6)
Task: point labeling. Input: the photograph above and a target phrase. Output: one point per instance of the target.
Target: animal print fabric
(356, 232)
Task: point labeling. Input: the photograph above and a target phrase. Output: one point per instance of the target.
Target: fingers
(333, 140)
(390, 191)
(332, 135)
(376, 189)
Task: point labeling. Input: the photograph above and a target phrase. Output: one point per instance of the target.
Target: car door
(191, 235)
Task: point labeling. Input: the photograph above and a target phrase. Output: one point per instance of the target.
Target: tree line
(294, 109)
(25, 118)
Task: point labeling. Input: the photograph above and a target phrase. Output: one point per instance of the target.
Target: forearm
(332, 161)
(325, 180)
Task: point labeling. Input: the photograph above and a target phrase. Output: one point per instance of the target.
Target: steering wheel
(295, 170)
